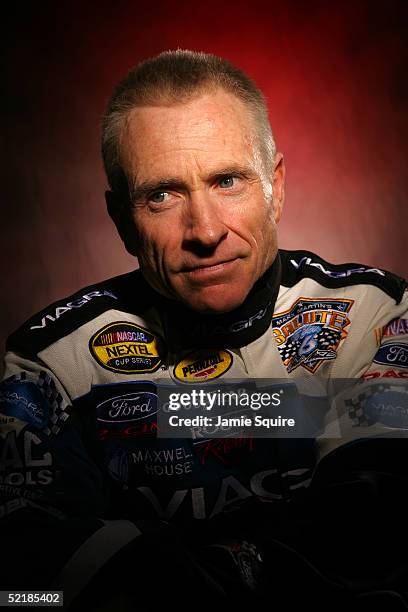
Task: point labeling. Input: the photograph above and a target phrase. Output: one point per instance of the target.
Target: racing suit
(78, 420)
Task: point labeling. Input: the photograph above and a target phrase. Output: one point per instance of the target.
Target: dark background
(334, 73)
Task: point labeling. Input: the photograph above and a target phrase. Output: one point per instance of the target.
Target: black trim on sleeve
(128, 292)
(304, 264)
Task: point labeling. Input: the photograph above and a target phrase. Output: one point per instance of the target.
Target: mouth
(192, 268)
(211, 271)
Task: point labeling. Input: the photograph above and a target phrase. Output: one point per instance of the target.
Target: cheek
(260, 223)
(269, 227)
(266, 236)
(156, 246)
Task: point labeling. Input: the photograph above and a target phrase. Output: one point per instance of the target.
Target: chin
(216, 299)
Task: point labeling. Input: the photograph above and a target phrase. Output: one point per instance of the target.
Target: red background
(334, 73)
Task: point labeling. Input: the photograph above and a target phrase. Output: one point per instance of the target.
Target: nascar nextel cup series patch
(310, 331)
(127, 348)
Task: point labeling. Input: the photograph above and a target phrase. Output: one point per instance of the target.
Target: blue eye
(226, 182)
(158, 197)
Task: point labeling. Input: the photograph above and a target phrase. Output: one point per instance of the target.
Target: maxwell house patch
(203, 365)
(127, 348)
(310, 331)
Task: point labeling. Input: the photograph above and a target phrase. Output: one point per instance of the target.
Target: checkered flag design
(54, 399)
(58, 414)
(325, 337)
(329, 338)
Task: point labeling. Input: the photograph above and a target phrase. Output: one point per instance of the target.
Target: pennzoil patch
(203, 365)
(126, 348)
(310, 331)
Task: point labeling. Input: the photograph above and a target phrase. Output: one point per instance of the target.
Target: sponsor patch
(126, 408)
(204, 365)
(44, 393)
(25, 460)
(122, 410)
(307, 261)
(398, 327)
(127, 348)
(392, 354)
(389, 408)
(383, 403)
(166, 459)
(310, 331)
(386, 374)
(77, 303)
(23, 401)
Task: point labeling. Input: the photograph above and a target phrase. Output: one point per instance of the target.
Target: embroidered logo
(310, 331)
(127, 348)
(203, 365)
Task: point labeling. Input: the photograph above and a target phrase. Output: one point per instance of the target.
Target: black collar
(185, 328)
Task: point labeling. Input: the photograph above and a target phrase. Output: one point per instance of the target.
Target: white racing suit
(83, 473)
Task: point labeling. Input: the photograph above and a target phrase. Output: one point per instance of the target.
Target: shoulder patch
(65, 316)
(304, 264)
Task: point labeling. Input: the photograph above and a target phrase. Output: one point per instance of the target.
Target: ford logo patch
(127, 408)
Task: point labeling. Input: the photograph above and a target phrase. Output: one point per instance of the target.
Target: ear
(119, 214)
(278, 186)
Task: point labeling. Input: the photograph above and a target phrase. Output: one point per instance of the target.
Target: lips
(217, 273)
(208, 266)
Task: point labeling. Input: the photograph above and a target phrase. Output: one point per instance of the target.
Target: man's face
(203, 217)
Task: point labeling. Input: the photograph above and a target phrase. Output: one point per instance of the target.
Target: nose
(204, 226)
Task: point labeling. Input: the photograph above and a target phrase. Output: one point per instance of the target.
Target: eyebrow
(140, 191)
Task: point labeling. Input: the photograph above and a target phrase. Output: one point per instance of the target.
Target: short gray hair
(174, 77)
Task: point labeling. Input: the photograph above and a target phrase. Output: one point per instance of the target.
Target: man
(196, 192)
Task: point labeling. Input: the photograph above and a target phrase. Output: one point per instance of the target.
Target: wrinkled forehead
(212, 124)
